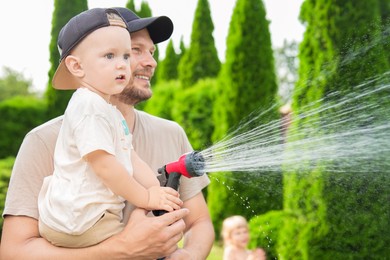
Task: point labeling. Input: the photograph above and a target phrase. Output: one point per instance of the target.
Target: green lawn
(216, 253)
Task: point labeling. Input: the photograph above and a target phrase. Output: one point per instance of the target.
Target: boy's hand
(163, 198)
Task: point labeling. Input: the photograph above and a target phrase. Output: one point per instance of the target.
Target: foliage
(337, 215)
(131, 5)
(5, 174)
(200, 60)
(246, 83)
(163, 99)
(264, 231)
(193, 111)
(243, 193)
(304, 220)
(183, 48)
(167, 69)
(247, 79)
(144, 10)
(221, 200)
(63, 11)
(19, 115)
(358, 213)
(13, 84)
(384, 6)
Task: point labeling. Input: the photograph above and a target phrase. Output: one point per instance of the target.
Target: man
(157, 141)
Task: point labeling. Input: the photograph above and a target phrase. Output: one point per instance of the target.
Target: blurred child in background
(235, 234)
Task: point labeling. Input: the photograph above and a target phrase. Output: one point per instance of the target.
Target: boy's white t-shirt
(74, 198)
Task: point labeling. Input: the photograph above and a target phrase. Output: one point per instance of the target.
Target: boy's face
(104, 58)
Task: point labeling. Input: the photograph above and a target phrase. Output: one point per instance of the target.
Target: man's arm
(143, 238)
(199, 235)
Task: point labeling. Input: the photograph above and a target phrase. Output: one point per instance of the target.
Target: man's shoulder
(52, 126)
(151, 120)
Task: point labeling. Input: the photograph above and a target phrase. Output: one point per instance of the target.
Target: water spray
(190, 165)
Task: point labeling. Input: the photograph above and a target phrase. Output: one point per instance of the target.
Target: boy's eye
(126, 56)
(109, 55)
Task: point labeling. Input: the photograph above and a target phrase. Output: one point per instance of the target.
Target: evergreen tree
(196, 116)
(247, 83)
(201, 59)
(168, 67)
(144, 10)
(63, 11)
(182, 48)
(384, 6)
(131, 5)
(333, 215)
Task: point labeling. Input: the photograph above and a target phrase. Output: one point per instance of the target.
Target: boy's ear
(74, 66)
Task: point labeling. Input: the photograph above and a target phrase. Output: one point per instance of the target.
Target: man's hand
(149, 237)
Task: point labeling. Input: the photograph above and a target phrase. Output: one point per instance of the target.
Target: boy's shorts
(108, 225)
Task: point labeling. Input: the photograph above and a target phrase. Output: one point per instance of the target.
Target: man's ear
(74, 66)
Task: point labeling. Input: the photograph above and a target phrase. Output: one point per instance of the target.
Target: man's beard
(132, 95)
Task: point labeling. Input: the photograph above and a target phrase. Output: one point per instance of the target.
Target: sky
(25, 33)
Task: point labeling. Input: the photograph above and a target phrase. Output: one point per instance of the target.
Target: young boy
(95, 168)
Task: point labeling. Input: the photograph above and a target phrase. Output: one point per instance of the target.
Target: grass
(216, 253)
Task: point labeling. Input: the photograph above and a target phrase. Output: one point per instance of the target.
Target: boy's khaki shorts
(109, 224)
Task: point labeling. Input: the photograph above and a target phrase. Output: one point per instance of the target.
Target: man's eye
(136, 50)
(109, 55)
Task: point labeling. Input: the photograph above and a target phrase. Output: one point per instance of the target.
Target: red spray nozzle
(189, 164)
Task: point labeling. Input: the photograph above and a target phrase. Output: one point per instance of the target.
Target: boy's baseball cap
(74, 31)
(160, 27)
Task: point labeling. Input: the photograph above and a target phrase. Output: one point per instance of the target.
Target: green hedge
(193, 109)
(162, 101)
(18, 116)
(5, 174)
(264, 232)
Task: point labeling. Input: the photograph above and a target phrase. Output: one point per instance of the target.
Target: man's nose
(149, 60)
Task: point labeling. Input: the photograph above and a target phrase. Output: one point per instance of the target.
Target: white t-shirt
(74, 198)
